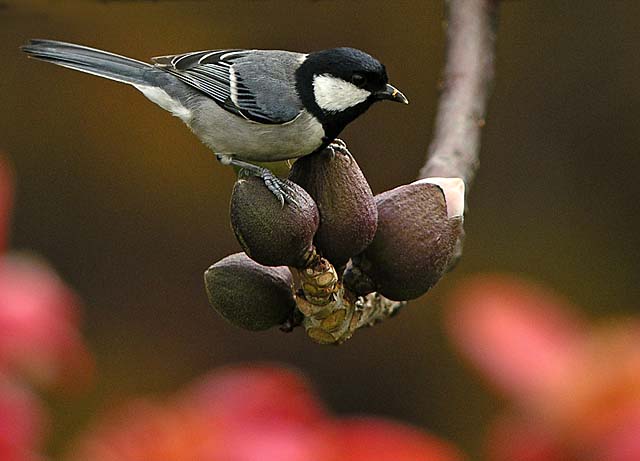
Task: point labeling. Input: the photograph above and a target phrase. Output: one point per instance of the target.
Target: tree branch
(453, 152)
(468, 76)
(330, 310)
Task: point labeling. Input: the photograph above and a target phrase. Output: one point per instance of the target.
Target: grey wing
(254, 84)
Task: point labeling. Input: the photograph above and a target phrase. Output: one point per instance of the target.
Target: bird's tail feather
(92, 61)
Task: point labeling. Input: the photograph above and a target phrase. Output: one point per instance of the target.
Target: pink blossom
(38, 325)
(247, 414)
(39, 314)
(6, 200)
(21, 422)
(39, 340)
(575, 388)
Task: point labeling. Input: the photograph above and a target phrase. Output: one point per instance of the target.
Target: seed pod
(270, 233)
(418, 227)
(249, 295)
(348, 214)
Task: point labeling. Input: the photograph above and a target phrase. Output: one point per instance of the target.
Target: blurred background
(130, 208)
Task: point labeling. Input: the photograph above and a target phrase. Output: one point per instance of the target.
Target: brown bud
(348, 214)
(273, 234)
(249, 295)
(418, 227)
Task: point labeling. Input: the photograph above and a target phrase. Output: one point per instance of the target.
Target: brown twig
(467, 81)
(331, 313)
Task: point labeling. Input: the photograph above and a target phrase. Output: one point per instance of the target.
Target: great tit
(246, 105)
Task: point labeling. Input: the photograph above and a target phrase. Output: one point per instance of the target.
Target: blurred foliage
(130, 208)
(237, 413)
(573, 386)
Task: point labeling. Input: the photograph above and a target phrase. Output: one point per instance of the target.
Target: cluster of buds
(335, 257)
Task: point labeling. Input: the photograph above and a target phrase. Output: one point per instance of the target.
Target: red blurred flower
(38, 325)
(39, 340)
(38, 314)
(575, 388)
(6, 199)
(251, 414)
(21, 423)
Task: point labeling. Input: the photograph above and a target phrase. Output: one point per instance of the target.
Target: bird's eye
(358, 80)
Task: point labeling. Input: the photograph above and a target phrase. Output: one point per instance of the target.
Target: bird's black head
(339, 84)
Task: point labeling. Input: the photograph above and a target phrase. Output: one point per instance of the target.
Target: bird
(247, 105)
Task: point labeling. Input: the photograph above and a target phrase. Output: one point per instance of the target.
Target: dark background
(130, 208)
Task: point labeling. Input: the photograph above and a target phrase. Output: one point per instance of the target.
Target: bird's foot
(338, 145)
(280, 188)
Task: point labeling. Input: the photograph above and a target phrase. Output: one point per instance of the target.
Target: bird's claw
(338, 145)
(280, 188)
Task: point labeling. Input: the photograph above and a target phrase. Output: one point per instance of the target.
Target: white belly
(228, 134)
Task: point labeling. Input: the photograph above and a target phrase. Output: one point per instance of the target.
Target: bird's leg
(278, 187)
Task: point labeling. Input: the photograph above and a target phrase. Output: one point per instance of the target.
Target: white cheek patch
(334, 94)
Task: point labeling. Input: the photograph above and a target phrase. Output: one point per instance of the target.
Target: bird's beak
(392, 94)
